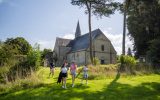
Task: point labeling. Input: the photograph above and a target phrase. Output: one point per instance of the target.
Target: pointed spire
(78, 30)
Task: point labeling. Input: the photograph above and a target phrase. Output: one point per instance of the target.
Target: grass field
(146, 87)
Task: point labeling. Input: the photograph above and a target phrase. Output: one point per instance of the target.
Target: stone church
(78, 49)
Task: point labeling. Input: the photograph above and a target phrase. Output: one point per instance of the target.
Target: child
(85, 74)
(73, 69)
(64, 75)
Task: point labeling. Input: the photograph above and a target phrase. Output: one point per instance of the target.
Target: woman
(64, 75)
(73, 69)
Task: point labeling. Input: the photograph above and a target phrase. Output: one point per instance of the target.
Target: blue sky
(41, 21)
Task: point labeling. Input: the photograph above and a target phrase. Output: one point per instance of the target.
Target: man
(51, 69)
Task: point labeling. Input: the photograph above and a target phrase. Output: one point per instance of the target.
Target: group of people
(64, 73)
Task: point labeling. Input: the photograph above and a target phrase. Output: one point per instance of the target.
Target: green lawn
(146, 87)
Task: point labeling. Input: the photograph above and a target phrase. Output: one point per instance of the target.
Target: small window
(77, 55)
(102, 61)
(102, 47)
(73, 56)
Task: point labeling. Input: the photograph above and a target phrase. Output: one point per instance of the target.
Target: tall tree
(98, 8)
(125, 5)
(144, 26)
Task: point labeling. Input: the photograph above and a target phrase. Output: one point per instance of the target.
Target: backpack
(59, 78)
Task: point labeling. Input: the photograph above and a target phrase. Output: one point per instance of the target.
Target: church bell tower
(78, 31)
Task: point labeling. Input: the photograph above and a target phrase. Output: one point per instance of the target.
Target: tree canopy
(144, 27)
(19, 45)
(143, 24)
(98, 7)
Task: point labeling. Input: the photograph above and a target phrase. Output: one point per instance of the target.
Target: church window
(73, 56)
(102, 47)
(102, 61)
(77, 55)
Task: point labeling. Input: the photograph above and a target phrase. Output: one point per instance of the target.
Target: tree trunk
(124, 31)
(90, 35)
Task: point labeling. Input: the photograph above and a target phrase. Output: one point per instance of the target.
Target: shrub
(33, 59)
(96, 61)
(20, 66)
(127, 63)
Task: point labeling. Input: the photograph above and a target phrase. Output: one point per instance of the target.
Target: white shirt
(64, 70)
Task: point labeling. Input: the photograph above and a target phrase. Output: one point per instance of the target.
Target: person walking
(64, 75)
(85, 74)
(51, 69)
(73, 69)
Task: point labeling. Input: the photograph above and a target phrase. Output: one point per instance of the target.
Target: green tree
(143, 24)
(153, 52)
(158, 2)
(20, 45)
(6, 54)
(98, 8)
(34, 57)
(44, 52)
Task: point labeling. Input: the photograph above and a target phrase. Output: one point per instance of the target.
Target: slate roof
(82, 42)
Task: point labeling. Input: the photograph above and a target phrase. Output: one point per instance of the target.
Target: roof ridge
(64, 38)
(91, 32)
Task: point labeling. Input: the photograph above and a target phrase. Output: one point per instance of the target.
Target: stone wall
(61, 54)
(78, 57)
(108, 54)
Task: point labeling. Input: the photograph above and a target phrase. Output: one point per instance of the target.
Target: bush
(14, 63)
(127, 63)
(33, 59)
(20, 66)
(96, 61)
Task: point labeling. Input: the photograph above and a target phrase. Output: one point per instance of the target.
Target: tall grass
(111, 70)
(101, 71)
(34, 80)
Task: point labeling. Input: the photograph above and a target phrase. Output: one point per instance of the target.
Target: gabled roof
(62, 41)
(82, 42)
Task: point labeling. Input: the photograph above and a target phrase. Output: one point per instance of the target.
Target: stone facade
(78, 49)
(61, 50)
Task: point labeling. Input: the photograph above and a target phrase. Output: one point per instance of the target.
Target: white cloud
(116, 40)
(109, 28)
(68, 36)
(46, 44)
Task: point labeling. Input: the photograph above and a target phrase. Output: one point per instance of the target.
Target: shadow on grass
(113, 91)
